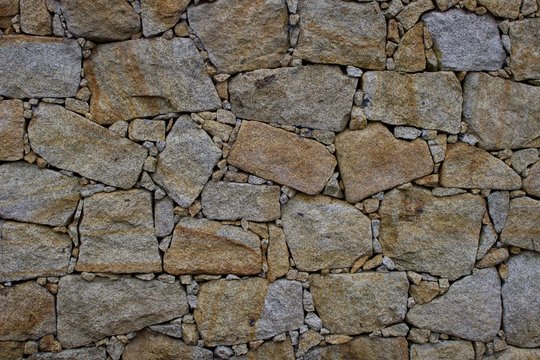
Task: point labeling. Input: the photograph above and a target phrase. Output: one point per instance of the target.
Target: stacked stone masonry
(270, 179)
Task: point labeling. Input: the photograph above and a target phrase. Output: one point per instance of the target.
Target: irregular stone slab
(409, 16)
(164, 216)
(35, 17)
(531, 184)
(521, 159)
(498, 204)
(88, 20)
(31, 194)
(464, 41)
(522, 227)
(325, 233)
(234, 201)
(69, 141)
(117, 234)
(313, 96)
(355, 35)
(91, 353)
(502, 8)
(187, 162)
(501, 113)
(471, 309)
(89, 311)
(521, 300)
(468, 167)
(36, 67)
(358, 303)
(277, 254)
(410, 55)
(11, 130)
(8, 10)
(283, 157)
(237, 311)
(364, 348)
(26, 312)
(282, 350)
(429, 100)
(200, 246)
(160, 15)
(524, 60)
(28, 251)
(444, 350)
(514, 353)
(153, 346)
(372, 160)
(426, 233)
(148, 77)
(234, 46)
(12, 350)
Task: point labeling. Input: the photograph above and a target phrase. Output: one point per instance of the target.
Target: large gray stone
(187, 162)
(363, 348)
(89, 311)
(313, 96)
(471, 309)
(444, 350)
(501, 113)
(464, 41)
(148, 77)
(70, 142)
(31, 194)
(524, 55)
(36, 67)
(325, 233)
(425, 100)
(91, 353)
(498, 204)
(522, 227)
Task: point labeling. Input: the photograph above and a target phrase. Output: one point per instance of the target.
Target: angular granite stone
(282, 350)
(283, 157)
(36, 67)
(187, 162)
(35, 17)
(277, 254)
(372, 160)
(522, 227)
(235, 201)
(426, 233)
(514, 353)
(70, 142)
(163, 216)
(258, 38)
(410, 15)
(501, 113)
(502, 8)
(148, 77)
(11, 130)
(443, 350)
(358, 303)
(313, 96)
(531, 184)
(355, 34)
(429, 100)
(11, 350)
(90, 311)
(364, 348)
(90, 353)
(160, 15)
(201, 246)
(31, 194)
(410, 55)
(525, 42)
(498, 204)
(149, 345)
(8, 10)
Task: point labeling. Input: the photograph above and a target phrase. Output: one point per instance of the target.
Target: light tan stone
(412, 12)
(502, 8)
(35, 18)
(493, 257)
(531, 184)
(282, 350)
(410, 54)
(11, 130)
(149, 345)
(11, 350)
(147, 130)
(424, 292)
(444, 350)
(160, 15)
(522, 225)
(8, 10)
(277, 253)
(364, 348)
(515, 353)
(524, 57)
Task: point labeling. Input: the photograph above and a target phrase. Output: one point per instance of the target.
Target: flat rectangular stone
(522, 227)
(90, 353)
(364, 348)
(235, 201)
(524, 55)
(37, 67)
(70, 142)
(11, 130)
(283, 157)
(28, 251)
(313, 96)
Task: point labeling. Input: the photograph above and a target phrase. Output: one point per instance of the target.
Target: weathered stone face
(354, 35)
(277, 253)
(443, 350)
(35, 18)
(11, 349)
(511, 353)
(282, 350)
(153, 346)
(147, 77)
(521, 227)
(502, 8)
(160, 15)
(524, 59)
(39, 67)
(365, 348)
(11, 130)
(410, 54)
(531, 184)
(235, 46)
(91, 353)
(8, 9)
(313, 96)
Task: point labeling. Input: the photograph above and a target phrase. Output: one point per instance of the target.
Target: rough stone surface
(471, 309)
(187, 162)
(35, 18)
(282, 350)
(160, 15)
(410, 54)
(28, 251)
(313, 96)
(277, 253)
(24, 302)
(200, 246)
(31, 194)
(502, 8)
(147, 77)
(531, 184)
(464, 41)
(498, 204)
(372, 160)
(444, 350)
(117, 234)
(425, 100)
(426, 233)
(501, 113)
(91, 353)
(164, 216)
(39, 67)
(522, 227)
(358, 303)
(325, 233)
(514, 353)
(89, 311)
(88, 19)
(412, 12)
(468, 167)
(71, 142)
(8, 10)
(234, 201)
(524, 56)
(235, 46)
(283, 157)
(364, 348)
(11, 130)
(11, 350)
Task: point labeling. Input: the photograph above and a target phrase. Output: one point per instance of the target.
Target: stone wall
(270, 179)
